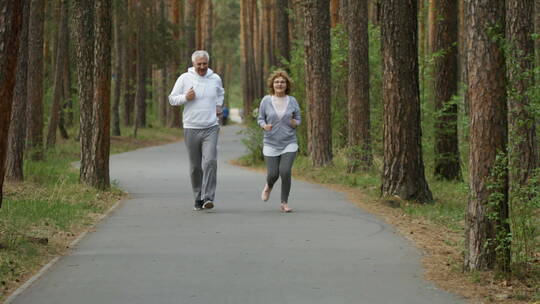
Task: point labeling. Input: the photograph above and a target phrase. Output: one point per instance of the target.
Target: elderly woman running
(279, 115)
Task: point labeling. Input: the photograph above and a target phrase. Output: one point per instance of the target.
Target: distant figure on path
(201, 92)
(225, 116)
(279, 115)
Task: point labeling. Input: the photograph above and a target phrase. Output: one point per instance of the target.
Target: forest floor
(441, 246)
(42, 216)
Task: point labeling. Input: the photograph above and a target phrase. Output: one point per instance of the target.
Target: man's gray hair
(200, 53)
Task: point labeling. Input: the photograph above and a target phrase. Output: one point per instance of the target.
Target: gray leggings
(280, 166)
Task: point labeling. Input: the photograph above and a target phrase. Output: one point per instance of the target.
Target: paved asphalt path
(155, 249)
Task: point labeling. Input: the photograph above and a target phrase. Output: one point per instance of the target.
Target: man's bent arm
(176, 98)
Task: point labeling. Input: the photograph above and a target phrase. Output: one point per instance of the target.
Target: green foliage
(375, 89)
(339, 76)
(449, 209)
(524, 197)
(497, 212)
(253, 141)
(525, 222)
(225, 49)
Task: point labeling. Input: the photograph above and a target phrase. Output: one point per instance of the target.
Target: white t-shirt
(280, 105)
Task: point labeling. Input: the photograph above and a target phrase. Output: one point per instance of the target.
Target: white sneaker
(265, 195)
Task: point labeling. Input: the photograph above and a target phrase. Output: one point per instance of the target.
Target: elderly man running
(201, 92)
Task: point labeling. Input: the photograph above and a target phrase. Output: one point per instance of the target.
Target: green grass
(448, 209)
(41, 215)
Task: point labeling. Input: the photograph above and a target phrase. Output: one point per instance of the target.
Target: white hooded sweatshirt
(199, 113)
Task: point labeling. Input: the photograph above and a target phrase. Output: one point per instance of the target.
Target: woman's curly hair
(275, 74)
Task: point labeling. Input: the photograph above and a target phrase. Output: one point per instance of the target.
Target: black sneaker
(208, 205)
(198, 206)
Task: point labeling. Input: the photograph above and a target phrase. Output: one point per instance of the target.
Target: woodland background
(431, 105)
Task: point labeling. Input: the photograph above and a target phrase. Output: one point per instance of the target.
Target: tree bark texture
(203, 30)
(359, 136)
(118, 72)
(282, 28)
(403, 168)
(537, 30)
(318, 80)
(102, 95)
(523, 149)
(17, 130)
(83, 14)
(247, 28)
(488, 138)
(58, 84)
(334, 13)
(462, 56)
(11, 20)
(68, 100)
(445, 81)
(258, 52)
(163, 96)
(296, 21)
(344, 11)
(142, 72)
(190, 27)
(66, 107)
(34, 119)
(174, 118)
(374, 11)
(268, 46)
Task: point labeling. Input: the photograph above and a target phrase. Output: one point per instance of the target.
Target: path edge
(72, 244)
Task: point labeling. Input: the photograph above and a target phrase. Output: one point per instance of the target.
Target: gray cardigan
(282, 132)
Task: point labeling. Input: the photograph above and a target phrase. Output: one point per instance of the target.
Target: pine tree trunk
(199, 26)
(68, 100)
(318, 87)
(130, 65)
(258, 53)
(358, 86)
(445, 80)
(102, 95)
(403, 166)
(34, 119)
(118, 72)
(17, 130)
(486, 225)
(537, 30)
(83, 13)
(523, 149)
(344, 11)
(206, 25)
(190, 33)
(247, 29)
(296, 21)
(142, 75)
(267, 47)
(174, 118)
(334, 13)
(462, 56)
(10, 29)
(374, 12)
(66, 106)
(58, 86)
(282, 27)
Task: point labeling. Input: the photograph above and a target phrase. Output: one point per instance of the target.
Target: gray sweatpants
(202, 149)
(277, 166)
